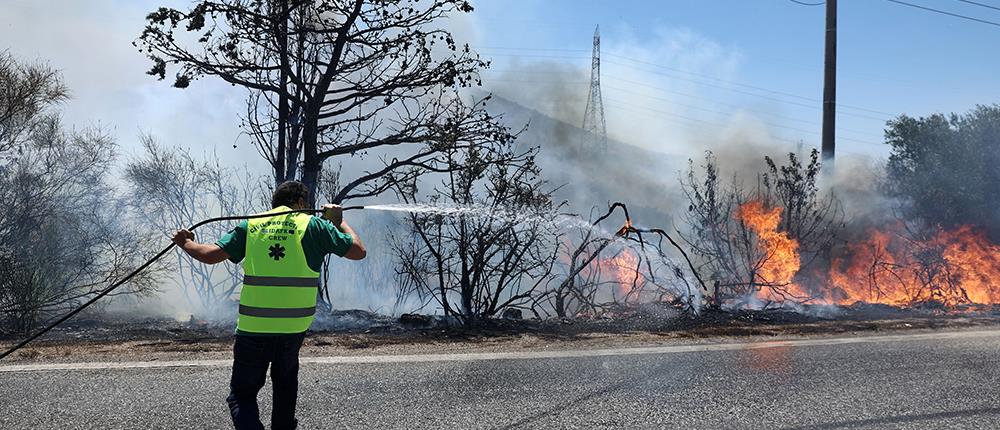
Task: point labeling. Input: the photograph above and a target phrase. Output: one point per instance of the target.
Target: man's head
(293, 194)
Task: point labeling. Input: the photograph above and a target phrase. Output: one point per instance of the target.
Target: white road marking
(521, 355)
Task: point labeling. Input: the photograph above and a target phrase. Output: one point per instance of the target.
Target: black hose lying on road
(112, 287)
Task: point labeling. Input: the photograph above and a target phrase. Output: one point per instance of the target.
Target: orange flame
(623, 269)
(977, 260)
(625, 228)
(953, 267)
(779, 262)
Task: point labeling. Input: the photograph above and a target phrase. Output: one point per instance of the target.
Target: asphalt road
(940, 380)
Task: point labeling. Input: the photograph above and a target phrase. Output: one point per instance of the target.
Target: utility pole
(830, 85)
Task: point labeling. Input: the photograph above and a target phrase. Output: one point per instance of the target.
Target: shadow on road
(560, 407)
(899, 419)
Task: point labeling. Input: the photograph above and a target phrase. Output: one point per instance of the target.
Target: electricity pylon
(593, 117)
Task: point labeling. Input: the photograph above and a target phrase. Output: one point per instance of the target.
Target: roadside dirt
(362, 333)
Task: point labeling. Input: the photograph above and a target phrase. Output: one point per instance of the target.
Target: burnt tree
(62, 237)
(496, 251)
(169, 187)
(752, 242)
(333, 79)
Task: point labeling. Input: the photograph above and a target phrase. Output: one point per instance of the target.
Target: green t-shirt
(321, 238)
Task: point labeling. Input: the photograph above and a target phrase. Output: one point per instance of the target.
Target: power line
(622, 105)
(614, 104)
(569, 57)
(764, 96)
(699, 75)
(677, 116)
(980, 4)
(767, 123)
(787, 94)
(735, 90)
(639, 110)
(505, 48)
(693, 107)
(632, 107)
(725, 83)
(862, 76)
(671, 101)
(996, 24)
(676, 70)
(807, 4)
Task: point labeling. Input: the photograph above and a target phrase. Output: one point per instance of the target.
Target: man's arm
(335, 214)
(357, 250)
(203, 252)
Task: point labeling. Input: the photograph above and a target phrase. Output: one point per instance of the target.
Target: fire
(977, 260)
(623, 269)
(952, 267)
(779, 254)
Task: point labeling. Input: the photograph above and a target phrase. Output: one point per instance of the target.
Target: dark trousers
(251, 356)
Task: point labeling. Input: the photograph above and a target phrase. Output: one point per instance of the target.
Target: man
(282, 256)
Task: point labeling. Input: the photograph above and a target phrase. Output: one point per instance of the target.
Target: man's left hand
(182, 236)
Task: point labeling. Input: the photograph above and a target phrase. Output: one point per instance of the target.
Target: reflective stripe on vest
(279, 287)
(280, 281)
(277, 312)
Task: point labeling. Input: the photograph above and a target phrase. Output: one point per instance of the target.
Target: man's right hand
(334, 214)
(182, 236)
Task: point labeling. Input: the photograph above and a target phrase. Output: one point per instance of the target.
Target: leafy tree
(947, 168)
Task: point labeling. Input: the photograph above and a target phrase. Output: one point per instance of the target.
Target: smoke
(657, 122)
(168, 302)
(91, 44)
(653, 88)
(657, 119)
(556, 90)
(658, 112)
(858, 182)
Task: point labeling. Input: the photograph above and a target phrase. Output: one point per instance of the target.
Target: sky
(759, 60)
(673, 72)
(90, 42)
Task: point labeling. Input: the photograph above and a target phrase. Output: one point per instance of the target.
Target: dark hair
(289, 193)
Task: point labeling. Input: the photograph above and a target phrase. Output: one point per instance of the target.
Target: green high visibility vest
(279, 288)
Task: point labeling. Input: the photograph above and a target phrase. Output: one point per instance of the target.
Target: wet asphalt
(946, 382)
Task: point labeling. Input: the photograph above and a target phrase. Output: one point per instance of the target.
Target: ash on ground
(657, 319)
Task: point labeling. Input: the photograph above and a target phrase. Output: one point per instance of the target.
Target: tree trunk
(311, 163)
(281, 31)
(560, 304)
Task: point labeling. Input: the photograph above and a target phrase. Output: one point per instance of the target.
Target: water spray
(628, 232)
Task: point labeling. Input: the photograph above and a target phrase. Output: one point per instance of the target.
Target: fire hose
(149, 262)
